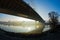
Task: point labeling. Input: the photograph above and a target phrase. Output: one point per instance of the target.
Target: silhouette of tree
(53, 19)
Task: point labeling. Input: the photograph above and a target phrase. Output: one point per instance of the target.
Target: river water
(18, 29)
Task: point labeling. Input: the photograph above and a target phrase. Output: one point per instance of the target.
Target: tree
(53, 19)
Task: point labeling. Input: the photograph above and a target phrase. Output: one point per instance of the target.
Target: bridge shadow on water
(48, 35)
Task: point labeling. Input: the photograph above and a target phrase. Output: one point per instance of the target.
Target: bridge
(19, 8)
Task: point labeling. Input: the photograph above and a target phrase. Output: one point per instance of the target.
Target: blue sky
(42, 7)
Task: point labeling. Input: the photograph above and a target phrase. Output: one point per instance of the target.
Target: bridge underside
(18, 8)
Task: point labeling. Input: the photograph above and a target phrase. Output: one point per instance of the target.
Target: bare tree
(53, 19)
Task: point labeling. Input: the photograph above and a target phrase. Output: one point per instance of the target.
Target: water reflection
(25, 27)
(19, 24)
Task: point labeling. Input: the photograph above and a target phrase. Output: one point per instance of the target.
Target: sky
(6, 17)
(42, 7)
